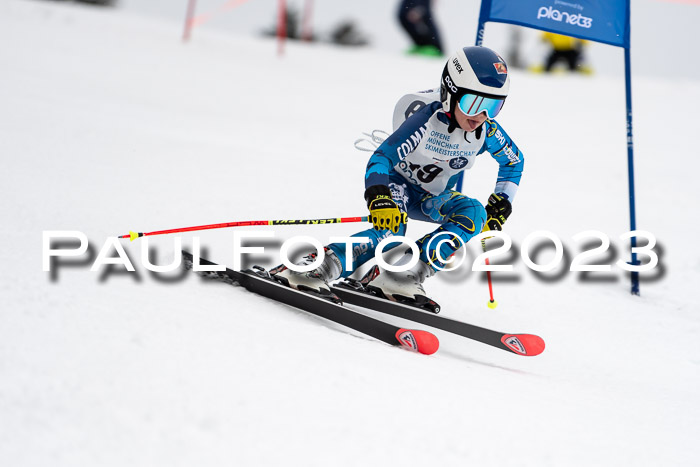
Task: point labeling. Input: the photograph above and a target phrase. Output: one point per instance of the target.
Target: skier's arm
(397, 146)
(508, 156)
(511, 162)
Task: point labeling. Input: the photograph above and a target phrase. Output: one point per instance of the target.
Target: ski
(259, 281)
(354, 293)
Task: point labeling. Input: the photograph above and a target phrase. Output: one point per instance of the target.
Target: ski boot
(315, 281)
(404, 287)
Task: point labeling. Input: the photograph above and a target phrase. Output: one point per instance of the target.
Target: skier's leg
(417, 20)
(433, 36)
(407, 14)
(572, 59)
(552, 59)
(363, 252)
(460, 217)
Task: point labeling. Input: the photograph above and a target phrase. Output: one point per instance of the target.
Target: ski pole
(492, 303)
(335, 220)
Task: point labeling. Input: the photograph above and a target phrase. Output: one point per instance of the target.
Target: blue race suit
(420, 162)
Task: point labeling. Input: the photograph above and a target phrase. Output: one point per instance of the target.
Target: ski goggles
(474, 104)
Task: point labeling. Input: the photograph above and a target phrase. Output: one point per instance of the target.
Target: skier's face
(467, 123)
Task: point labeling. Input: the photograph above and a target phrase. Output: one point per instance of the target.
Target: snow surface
(109, 123)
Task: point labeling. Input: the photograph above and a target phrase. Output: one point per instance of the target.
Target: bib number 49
(424, 174)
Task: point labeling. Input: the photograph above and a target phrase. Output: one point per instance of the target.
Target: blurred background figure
(417, 20)
(347, 33)
(298, 27)
(515, 39)
(564, 49)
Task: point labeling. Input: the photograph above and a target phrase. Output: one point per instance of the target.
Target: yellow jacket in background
(560, 42)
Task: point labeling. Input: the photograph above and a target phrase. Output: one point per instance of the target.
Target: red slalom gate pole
(188, 20)
(281, 27)
(306, 33)
(333, 220)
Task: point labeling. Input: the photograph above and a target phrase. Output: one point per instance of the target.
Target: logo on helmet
(449, 84)
(501, 68)
(458, 66)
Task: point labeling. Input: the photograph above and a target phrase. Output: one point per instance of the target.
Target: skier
(565, 49)
(411, 175)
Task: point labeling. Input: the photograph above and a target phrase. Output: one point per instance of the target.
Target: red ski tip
(418, 341)
(524, 344)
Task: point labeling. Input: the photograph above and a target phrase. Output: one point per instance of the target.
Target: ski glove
(384, 213)
(497, 211)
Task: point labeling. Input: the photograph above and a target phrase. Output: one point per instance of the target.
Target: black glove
(497, 211)
(383, 211)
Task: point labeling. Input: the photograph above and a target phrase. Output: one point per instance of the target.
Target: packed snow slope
(109, 123)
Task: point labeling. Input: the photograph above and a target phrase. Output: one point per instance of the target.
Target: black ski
(260, 282)
(521, 344)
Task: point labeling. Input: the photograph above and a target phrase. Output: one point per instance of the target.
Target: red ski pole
(492, 303)
(335, 220)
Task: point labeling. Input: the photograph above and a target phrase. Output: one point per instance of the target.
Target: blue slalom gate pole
(630, 169)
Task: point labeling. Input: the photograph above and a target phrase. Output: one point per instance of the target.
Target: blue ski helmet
(474, 71)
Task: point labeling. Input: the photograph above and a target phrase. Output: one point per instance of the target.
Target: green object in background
(425, 50)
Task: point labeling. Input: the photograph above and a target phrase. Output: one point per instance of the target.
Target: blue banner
(605, 21)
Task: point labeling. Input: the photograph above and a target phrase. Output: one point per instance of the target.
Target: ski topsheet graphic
(521, 344)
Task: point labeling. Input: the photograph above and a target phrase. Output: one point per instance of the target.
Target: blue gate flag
(605, 21)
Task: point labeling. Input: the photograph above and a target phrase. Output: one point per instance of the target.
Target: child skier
(411, 175)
